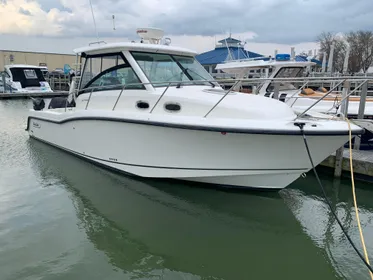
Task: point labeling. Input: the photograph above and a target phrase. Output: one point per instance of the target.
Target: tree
(326, 40)
(361, 50)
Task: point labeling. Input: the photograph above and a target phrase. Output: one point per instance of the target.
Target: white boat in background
(151, 110)
(24, 78)
(282, 67)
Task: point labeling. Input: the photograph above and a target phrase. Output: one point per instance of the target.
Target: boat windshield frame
(186, 74)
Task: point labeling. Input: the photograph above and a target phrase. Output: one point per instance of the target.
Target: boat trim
(201, 127)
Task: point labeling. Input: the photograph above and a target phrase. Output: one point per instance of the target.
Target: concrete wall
(52, 61)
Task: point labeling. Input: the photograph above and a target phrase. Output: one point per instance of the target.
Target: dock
(362, 161)
(19, 95)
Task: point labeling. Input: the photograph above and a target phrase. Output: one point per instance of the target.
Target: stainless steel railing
(337, 84)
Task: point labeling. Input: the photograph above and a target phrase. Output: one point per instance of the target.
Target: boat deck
(34, 94)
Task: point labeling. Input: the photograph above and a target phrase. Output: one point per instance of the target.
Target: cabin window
(161, 69)
(286, 72)
(95, 65)
(108, 72)
(290, 72)
(30, 74)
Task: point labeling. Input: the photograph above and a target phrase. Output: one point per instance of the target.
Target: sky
(265, 25)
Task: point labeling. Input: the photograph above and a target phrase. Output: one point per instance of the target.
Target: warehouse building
(52, 61)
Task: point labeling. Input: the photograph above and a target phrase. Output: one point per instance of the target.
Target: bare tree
(326, 40)
(361, 55)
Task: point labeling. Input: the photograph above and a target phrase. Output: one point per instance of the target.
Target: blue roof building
(227, 49)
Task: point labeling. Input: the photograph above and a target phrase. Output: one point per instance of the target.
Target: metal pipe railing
(250, 81)
(160, 97)
(120, 94)
(319, 100)
(338, 81)
(221, 99)
(89, 99)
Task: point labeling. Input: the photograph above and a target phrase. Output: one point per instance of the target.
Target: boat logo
(35, 124)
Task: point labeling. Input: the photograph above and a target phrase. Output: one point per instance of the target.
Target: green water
(64, 218)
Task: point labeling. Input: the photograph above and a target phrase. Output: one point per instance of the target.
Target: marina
(146, 159)
(63, 217)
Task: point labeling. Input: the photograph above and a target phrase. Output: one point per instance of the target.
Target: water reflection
(308, 206)
(155, 228)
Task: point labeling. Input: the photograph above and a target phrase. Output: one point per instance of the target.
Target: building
(226, 49)
(50, 60)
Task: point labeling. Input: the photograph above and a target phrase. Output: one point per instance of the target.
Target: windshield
(161, 69)
(287, 72)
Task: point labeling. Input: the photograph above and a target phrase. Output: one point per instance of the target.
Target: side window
(91, 69)
(108, 72)
(116, 78)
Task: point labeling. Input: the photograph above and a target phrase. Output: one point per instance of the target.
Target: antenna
(229, 51)
(94, 21)
(113, 22)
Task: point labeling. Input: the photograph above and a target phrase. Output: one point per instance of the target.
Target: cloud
(24, 12)
(266, 21)
(27, 18)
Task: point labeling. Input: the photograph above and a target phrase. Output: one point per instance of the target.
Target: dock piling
(360, 115)
(344, 110)
(3, 80)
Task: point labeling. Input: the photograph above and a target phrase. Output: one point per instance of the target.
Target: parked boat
(282, 67)
(151, 110)
(24, 79)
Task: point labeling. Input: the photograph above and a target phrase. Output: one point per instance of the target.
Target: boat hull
(247, 160)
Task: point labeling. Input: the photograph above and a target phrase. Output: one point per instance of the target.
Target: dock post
(360, 115)
(4, 85)
(344, 110)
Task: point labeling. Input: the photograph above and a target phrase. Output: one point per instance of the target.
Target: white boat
(25, 79)
(152, 110)
(282, 67)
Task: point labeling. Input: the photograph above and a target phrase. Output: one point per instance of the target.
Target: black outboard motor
(38, 103)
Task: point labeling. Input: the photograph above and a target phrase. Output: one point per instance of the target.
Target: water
(64, 218)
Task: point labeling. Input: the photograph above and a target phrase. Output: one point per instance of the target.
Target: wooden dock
(18, 95)
(362, 161)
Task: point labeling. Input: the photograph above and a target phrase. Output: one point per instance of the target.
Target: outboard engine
(38, 103)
